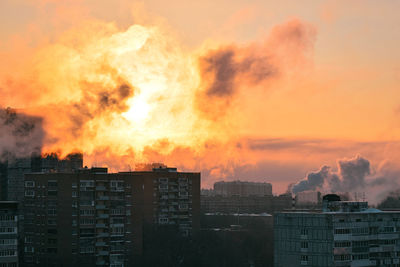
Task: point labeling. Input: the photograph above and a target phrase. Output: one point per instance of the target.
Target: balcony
(100, 225)
(100, 188)
(102, 216)
(101, 207)
(102, 253)
(101, 244)
(103, 198)
(102, 263)
(100, 235)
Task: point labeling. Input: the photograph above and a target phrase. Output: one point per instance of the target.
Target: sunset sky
(238, 89)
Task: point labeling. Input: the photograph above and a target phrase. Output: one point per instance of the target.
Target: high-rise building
(13, 177)
(8, 234)
(344, 233)
(92, 217)
(242, 189)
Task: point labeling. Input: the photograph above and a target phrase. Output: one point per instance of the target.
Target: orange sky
(315, 81)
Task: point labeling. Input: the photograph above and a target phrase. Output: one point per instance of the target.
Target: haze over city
(252, 90)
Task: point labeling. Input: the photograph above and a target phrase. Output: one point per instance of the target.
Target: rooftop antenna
(363, 196)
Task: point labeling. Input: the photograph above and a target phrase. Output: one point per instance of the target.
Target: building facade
(249, 204)
(8, 234)
(12, 177)
(243, 189)
(343, 234)
(92, 217)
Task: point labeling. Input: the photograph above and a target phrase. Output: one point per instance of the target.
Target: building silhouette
(92, 217)
(242, 189)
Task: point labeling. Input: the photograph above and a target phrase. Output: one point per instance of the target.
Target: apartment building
(8, 234)
(13, 170)
(242, 188)
(249, 204)
(344, 233)
(92, 217)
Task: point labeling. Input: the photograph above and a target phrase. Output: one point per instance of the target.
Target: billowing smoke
(20, 134)
(354, 176)
(227, 70)
(314, 180)
(351, 175)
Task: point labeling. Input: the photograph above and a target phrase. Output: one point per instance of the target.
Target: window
(304, 257)
(183, 194)
(52, 183)
(29, 193)
(388, 229)
(86, 203)
(51, 222)
(74, 194)
(343, 257)
(117, 230)
(163, 180)
(118, 220)
(52, 212)
(8, 241)
(117, 185)
(7, 218)
(52, 231)
(29, 184)
(304, 245)
(52, 250)
(343, 244)
(117, 212)
(52, 241)
(86, 212)
(360, 231)
(86, 221)
(29, 249)
(51, 203)
(163, 220)
(304, 231)
(85, 250)
(183, 206)
(360, 256)
(52, 193)
(86, 183)
(163, 186)
(342, 231)
(8, 229)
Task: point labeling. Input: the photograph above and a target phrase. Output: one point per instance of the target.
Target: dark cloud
(20, 134)
(222, 68)
(227, 69)
(97, 103)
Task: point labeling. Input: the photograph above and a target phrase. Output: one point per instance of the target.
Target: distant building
(92, 217)
(242, 189)
(251, 235)
(8, 233)
(308, 199)
(244, 220)
(248, 204)
(344, 233)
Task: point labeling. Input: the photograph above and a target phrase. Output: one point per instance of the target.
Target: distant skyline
(250, 90)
